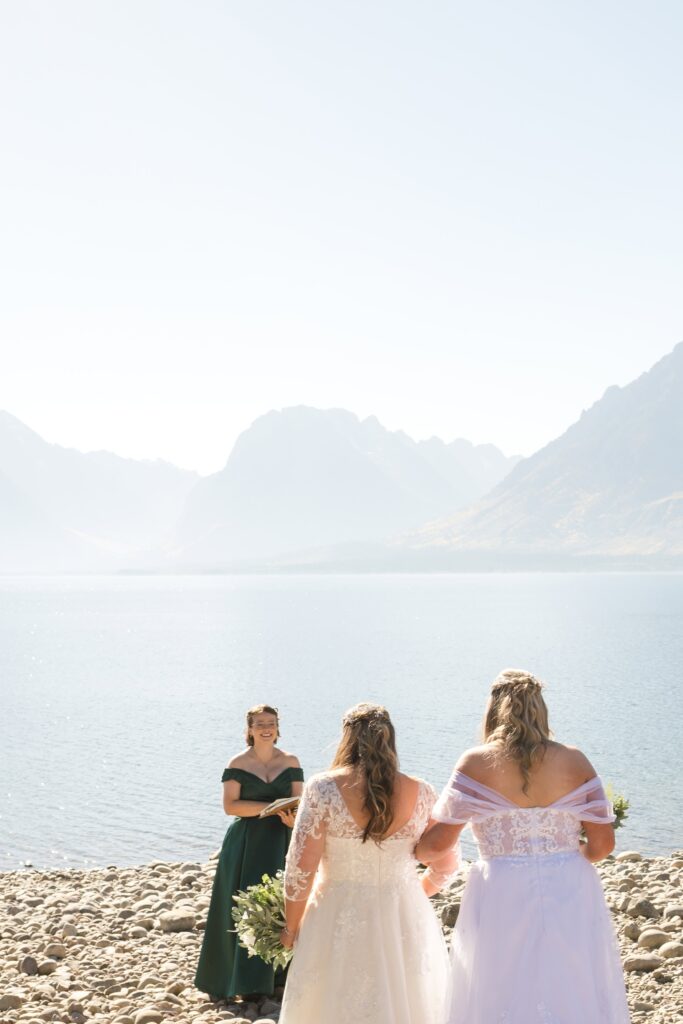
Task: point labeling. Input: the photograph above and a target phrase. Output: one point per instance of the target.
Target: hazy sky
(465, 218)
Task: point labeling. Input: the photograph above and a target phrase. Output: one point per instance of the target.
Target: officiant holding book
(254, 845)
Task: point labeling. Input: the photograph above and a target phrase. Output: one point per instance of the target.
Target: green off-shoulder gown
(252, 847)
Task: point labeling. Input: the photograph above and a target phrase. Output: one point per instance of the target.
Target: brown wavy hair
(369, 742)
(516, 719)
(260, 709)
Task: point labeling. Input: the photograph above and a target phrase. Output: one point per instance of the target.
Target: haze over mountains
(64, 510)
(298, 478)
(307, 478)
(321, 489)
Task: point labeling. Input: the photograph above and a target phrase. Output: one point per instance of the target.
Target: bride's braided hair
(516, 719)
(369, 742)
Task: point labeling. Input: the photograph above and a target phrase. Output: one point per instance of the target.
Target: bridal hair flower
(366, 712)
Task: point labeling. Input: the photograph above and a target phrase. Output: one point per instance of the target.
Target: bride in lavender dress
(534, 942)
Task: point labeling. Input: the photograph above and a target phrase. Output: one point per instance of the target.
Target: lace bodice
(502, 829)
(328, 841)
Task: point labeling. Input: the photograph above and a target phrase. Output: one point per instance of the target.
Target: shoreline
(120, 945)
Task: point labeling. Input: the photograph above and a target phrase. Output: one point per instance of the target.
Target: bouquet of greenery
(620, 806)
(259, 916)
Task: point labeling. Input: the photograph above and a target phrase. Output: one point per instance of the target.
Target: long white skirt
(370, 954)
(534, 944)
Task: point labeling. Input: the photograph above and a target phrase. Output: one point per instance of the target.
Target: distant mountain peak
(608, 485)
(302, 477)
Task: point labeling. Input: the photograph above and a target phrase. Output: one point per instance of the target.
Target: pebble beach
(120, 945)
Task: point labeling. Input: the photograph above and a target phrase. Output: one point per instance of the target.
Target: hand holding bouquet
(620, 807)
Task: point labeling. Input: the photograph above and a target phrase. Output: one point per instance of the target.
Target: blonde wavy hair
(369, 742)
(516, 719)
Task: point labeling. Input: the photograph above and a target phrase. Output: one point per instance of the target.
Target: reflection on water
(123, 697)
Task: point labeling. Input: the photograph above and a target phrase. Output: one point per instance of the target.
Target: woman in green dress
(252, 847)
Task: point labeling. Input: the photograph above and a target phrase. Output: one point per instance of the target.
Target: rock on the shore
(177, 921)
(652, 938)
(642, 962)
(10, 1001)
(671, 949)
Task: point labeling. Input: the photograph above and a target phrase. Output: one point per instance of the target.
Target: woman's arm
(294, 911)
(437, 841)
(599, 841)
(240, 808)
(297, 786)
(438, 849)
(599, 833)
(288, 817)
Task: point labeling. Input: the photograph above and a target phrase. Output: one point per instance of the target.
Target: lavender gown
(534, 942)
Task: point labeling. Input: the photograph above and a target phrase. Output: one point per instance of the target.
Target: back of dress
(369, 932)
(328, 839)
(502, 829)
(534, 942)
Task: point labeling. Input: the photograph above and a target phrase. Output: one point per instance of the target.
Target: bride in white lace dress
(368, 946)
(534, 942)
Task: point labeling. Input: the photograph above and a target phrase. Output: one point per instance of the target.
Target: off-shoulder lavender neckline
(590, 783)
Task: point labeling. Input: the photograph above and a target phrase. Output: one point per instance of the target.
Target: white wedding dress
(370, 948)
(534, 942)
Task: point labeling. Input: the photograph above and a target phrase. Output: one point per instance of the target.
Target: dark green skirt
(252, 847)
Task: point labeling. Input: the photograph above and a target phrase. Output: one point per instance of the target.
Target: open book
(287, 803)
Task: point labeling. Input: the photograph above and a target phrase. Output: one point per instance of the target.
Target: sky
(465, 219)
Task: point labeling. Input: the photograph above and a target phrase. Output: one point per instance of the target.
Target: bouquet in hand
(259, 916)
(620, 807)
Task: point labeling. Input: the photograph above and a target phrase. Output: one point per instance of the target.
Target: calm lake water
(123, 697)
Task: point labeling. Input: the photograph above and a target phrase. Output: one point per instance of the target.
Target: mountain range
(296, 478)
(313, 489)
(305, 478)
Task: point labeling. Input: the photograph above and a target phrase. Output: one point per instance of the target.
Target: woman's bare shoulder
(240, 760)
(569, 754)
(411, 782)
(476, 760)
(290, 760)
(572, 760)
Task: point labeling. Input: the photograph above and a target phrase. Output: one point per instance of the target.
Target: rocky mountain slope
(611, 486)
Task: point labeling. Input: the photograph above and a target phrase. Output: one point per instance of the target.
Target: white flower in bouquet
(259, 916)
(246, 935)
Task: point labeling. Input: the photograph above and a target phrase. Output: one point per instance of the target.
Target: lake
(123, 697)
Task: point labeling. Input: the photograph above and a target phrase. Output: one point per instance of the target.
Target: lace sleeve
(307, 844)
